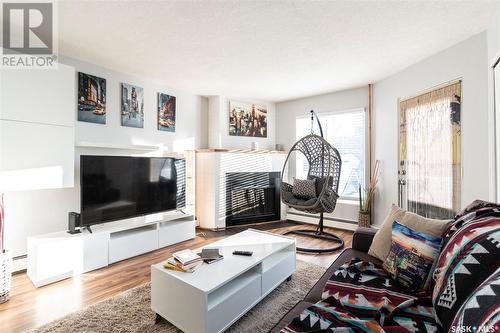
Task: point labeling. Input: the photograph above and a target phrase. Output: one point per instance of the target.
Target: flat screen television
(119, 187)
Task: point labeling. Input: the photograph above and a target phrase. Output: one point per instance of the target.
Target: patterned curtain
(430, 167)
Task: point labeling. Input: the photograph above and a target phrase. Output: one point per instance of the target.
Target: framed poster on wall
(247, 119)
(132, 106)
(166, 112)
(91, 99)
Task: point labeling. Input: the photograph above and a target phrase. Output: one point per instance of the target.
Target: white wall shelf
(88, 144)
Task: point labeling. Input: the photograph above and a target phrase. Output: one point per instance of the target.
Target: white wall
(36, 212)
(287, 112)
(494, 36)
(466, 60)
(190, 129)
(27, 110)
(218, 125)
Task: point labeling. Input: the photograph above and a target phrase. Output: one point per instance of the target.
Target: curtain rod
(428, 90)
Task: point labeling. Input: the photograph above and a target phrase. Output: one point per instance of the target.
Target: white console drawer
(276, 269)
(177, 231)
(232, 300)
(129, 243)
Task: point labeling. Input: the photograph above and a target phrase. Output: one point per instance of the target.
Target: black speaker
(73, 223)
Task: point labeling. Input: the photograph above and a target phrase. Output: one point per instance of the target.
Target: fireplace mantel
(211, 169)
(240, 151)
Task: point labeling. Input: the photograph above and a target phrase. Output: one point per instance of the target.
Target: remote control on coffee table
(243, 253)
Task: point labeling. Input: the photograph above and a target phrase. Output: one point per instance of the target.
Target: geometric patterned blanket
(470, 255)
(361, 297)
(482, 307)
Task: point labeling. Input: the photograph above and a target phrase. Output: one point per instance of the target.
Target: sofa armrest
(362, 239)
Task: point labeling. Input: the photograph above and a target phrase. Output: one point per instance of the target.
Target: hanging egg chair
(323, 167)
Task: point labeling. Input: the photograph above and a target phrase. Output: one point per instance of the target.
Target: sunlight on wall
(32, 179)
(67, 264)
(181, 145)
(44, 302)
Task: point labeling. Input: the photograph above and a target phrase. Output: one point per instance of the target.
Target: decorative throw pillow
(304, 188)
(433, 227)
(320, 182)
(411, 256)
(382, 241)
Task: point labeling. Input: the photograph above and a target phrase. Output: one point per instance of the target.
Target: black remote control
(243, 253)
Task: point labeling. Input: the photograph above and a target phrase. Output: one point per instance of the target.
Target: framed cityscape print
(91, 99)
(247, 119)
(166, 112)
(132, 106)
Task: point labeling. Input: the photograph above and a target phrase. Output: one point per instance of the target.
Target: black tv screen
(119, 187)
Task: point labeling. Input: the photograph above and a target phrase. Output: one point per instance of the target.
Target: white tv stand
(59, 255)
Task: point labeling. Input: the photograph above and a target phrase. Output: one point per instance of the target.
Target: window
(346, 132)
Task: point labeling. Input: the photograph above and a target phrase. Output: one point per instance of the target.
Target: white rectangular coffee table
(216, 295)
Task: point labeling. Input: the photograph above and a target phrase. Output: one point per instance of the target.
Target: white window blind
(346, 132)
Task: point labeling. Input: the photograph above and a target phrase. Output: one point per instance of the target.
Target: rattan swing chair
(324, 166)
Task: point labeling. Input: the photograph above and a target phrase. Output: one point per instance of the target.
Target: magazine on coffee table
(186, 257)
(210, 256)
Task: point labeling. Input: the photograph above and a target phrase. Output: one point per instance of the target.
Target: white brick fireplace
(212, 167)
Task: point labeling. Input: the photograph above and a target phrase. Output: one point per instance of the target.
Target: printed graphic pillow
(411, 256)
(381, 244)
(382, 241)
(304, 188)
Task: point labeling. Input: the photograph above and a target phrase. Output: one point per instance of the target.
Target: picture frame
(91, 98)
(166, 112)
(247, 119)
(132, 105)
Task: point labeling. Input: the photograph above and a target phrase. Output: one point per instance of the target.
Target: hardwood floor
(30, 307)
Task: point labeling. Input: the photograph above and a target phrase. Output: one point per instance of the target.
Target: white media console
(60, 255)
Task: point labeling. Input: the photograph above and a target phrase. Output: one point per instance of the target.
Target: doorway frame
(495, 131)
(418, 93)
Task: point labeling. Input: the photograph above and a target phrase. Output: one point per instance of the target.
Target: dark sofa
(464, 292)
(361, 241)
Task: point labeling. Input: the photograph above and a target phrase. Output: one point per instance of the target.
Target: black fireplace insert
(252, 197)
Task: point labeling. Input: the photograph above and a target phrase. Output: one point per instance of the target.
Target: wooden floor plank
(30, 307)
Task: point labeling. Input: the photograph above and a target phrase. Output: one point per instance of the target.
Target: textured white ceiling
(264, 50)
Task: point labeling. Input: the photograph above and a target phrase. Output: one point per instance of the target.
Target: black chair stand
(318, 233)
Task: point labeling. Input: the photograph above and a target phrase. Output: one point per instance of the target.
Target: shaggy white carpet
(131, 311)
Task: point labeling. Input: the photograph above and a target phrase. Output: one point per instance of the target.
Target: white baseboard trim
(328, 222)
